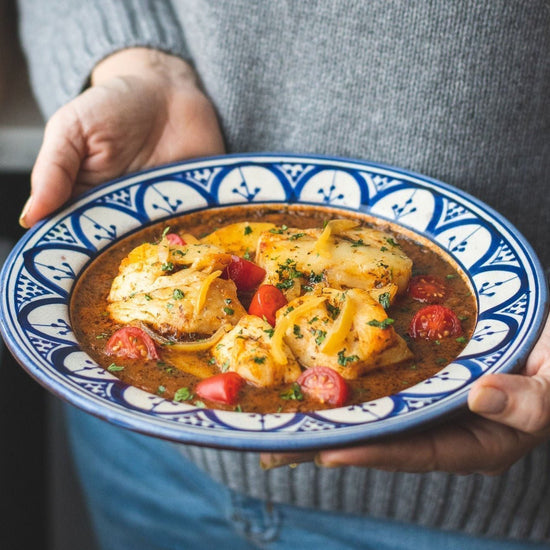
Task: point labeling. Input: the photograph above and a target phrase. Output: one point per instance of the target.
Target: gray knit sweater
(455, 90)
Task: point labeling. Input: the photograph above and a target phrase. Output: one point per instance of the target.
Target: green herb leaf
(183, 394)
(247, 230)
(114, 368)
(178, 294)
(343, 360)
(333, 311)
(384, 300)
(228, 310)
(320, 336)
(386, 323)
(294, 393)
(168, 266)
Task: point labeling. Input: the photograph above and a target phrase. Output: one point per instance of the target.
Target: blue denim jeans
(144, 495)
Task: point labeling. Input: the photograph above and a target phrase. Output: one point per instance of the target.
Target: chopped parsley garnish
(259, 360)
(247, 230)
(178, 252)
(320, 336)
(461, 340)
(114, 368)
(169, 306)
(200, 404)
(161, 390)
(228, 310)
(384, 300)
(296, 236)
(294, 393)
(343, 360)
(358, 242)
(225, 366)
(287, 272)
(247, 254)
(269, 332)
(391, 241)
(386, 323)
(177, 294)
(278, 231)
(148, 297)
(297, 331)
(333, 311)
(183, 394)
(168, 266)
(315, 277)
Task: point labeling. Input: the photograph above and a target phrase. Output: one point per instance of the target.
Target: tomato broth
(436, 281)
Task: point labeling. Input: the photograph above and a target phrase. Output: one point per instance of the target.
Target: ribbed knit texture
(65, 39)
(455, 90)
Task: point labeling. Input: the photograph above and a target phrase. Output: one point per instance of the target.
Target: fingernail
(271, 462)
(24, 212)
(268, 462)
(489, 401)
(323, 463)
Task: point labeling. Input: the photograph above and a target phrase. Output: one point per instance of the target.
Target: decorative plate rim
(278, 432)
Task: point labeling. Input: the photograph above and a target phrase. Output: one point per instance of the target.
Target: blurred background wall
(40, 502)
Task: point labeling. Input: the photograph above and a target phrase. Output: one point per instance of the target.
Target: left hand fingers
(521, 402)
(473, 445)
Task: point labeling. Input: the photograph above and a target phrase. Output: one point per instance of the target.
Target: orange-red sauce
(93, 325)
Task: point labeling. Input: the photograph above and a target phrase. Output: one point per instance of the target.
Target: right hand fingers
(56, 167)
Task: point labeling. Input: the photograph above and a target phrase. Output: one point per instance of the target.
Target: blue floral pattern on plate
(39, 275)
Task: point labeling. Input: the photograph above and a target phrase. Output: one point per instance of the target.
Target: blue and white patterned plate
(41, 271)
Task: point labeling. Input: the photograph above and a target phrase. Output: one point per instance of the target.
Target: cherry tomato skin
(266, 301)
(245, 274)
(175, 239)
(325, 385)
(435, 322)
(221, 388)
(428, 289)
(131, 343)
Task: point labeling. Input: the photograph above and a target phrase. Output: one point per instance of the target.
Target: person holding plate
(458, 92)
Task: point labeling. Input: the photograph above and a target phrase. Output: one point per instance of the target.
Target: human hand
(143, 108)
(512, 417)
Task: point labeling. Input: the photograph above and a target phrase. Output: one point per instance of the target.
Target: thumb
(56, 167)
(518, 401)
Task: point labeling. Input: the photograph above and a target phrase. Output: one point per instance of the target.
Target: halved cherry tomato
(175, 239)
(245, 274)
(266, 301)
(132, 343)
(434, 322)
(221, 388)
(428, 289)
(325, 385)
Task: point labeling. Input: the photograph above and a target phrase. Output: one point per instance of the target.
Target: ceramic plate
(39, 275)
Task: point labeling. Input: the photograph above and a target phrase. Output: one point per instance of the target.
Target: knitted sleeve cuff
(64, 40)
